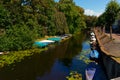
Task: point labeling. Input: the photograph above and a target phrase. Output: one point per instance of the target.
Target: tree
(90, 21)
(5, 20)
(73, 14)
(18, 37)
(24, 21)
(111, 11)
(44, 10)
(61, 23)
(101, 21)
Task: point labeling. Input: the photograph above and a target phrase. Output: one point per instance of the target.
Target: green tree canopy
(111, 11)
(18, 37)
(74, 15)
(61, 23)
(5, 20)
(90, 21)
(23, 21)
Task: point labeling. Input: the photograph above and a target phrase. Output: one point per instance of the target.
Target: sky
(93, 7)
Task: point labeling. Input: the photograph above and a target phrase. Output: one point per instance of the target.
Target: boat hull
(90, 73)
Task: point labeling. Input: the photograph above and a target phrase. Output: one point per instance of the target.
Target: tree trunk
(110, 32)
(104, 29)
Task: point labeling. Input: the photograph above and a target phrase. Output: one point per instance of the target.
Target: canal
(56, 63)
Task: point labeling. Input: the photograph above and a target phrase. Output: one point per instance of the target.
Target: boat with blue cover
(94, 54)
(56, 39)
(40, 44)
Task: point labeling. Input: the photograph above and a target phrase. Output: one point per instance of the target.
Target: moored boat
(89, 72)
(93, 39)
(94, 54)
(40, 44)
(92, 33)
(56, 39)
(47, 41)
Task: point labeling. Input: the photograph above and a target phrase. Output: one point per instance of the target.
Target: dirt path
(108, 46)
(116, 37)
(113, 47)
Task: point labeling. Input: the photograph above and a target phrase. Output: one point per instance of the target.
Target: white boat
(89, 72)
(50, 41)
(1, 52)
(47, 41)
(93, 36)
(92, 42)
(92, 33)
(93, 39)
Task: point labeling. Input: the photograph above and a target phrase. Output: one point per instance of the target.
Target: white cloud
(91, 12)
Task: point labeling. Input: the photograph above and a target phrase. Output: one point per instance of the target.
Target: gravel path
(114, 47)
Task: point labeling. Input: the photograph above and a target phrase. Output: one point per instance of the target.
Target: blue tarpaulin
(40, 44)
(57, 39)
(94, 54)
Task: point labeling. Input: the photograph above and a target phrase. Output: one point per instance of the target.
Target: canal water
(56, 63)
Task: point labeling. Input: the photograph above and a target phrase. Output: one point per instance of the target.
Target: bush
(18, 37)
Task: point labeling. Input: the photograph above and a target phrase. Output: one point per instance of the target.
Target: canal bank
(10, 57)
(56, 63)
(109, 54)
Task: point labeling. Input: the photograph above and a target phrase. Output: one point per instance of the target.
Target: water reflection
(54, 64)
(66, 62)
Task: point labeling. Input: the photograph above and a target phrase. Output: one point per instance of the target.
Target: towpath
(110, 47)
(114, 46)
